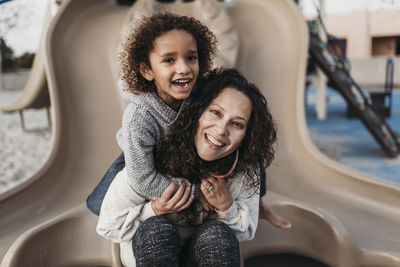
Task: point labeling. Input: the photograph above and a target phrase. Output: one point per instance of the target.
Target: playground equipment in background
(359, 103)
(382, 101)
(35, 94)
(340, 217)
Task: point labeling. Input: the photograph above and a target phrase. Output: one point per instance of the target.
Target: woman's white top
(123, 210)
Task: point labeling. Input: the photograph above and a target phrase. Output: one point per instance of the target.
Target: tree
(25, 61)
(7, 56)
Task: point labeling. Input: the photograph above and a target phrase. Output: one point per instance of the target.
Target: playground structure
(370, 109)
(35, 94)
(339, 216)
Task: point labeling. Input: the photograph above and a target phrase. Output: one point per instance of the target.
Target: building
(367, 33)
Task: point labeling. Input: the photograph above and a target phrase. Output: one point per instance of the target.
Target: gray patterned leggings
(157, 243)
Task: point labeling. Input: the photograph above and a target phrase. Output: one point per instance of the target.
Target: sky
(25, 36)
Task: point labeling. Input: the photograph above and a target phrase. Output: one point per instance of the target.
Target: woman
(220, 141)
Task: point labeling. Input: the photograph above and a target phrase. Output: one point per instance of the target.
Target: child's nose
(182, 67)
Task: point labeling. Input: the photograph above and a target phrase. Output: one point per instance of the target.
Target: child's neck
(173, 103)
(176, 106)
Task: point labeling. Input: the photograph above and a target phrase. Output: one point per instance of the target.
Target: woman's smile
(223, 125)
(214, 142)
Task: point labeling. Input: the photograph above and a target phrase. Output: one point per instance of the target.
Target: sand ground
(22, 153)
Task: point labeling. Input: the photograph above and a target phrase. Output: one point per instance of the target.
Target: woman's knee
(157, 227)
(156, 243)
(216, 244)
(217, 230)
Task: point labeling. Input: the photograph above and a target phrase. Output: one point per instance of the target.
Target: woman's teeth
(214, 141)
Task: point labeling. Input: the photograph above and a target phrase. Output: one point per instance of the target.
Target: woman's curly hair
(176, 155)
(139, 43)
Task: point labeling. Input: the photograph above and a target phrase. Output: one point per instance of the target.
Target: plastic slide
(341, 81)
(35, 93)
(340, 217)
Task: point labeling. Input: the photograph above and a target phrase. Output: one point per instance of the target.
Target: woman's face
(223, 125)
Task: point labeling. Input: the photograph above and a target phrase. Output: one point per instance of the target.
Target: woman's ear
(146, 71)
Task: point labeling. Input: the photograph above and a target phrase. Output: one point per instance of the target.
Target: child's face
(174, 66)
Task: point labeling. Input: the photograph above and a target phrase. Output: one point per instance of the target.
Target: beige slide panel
(339, 216)
(35, 93)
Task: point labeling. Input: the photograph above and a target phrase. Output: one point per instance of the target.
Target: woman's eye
(215, 112)
(192, 58)
(238, 125)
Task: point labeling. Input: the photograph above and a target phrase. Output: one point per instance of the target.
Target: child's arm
(140, 134)
(123, 210)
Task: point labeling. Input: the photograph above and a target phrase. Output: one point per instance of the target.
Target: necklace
(218, 176)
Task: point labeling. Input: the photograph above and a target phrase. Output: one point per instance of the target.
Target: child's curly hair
(140, 42)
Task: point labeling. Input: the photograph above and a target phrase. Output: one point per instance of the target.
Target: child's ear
(146, 71)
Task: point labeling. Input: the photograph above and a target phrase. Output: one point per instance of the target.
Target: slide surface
(35, 93)
(339, 216)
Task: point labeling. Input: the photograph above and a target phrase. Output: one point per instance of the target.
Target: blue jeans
(95, 199)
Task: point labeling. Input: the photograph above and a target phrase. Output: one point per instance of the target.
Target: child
(161, 60)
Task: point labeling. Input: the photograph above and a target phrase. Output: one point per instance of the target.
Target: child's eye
(168, 60)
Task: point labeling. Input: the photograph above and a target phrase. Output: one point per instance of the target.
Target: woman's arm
(242, 214)
(122, 210)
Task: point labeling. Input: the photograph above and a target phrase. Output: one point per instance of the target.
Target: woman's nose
(222, 128)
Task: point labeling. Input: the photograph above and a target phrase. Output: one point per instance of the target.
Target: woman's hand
(217, 193)
(204, 203)
(173, 203)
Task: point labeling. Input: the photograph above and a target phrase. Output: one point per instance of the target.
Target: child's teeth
(181, 82)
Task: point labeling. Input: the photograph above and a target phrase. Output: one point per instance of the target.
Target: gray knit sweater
(144, 123)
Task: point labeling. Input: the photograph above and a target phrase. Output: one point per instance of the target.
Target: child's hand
(217, 193)
(173, 203)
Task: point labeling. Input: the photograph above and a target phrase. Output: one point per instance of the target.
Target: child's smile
(174, 66)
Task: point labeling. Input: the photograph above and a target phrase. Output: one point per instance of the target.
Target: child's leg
(265, 212)
(95, 199)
